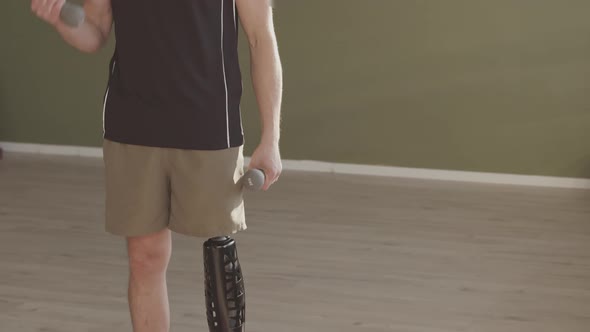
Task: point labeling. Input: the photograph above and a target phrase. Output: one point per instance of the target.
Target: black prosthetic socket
(224, 286)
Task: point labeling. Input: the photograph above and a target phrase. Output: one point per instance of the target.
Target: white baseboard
(59, 150)
(339, 168)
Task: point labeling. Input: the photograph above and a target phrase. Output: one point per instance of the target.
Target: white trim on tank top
(224, 76)
(106, 98)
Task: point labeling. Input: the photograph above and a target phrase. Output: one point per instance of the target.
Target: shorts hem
(122, 232)
(209, 233)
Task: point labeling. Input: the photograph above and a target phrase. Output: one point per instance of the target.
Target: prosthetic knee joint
(224, 286)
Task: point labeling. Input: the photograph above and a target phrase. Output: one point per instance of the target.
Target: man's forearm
(267, 79)
(86, 38)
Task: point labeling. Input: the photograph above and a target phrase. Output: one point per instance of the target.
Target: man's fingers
(37, 7)
(266, 185)
(48, 10)
(34, 5)
(52, 10)
(271, 176)
(44, 8)
(267, 178)
(56, 9)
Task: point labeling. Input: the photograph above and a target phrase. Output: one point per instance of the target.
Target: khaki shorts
(190, 192)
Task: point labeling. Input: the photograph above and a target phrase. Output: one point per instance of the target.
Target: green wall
(496, 86)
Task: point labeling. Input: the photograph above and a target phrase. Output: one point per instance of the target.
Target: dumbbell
(72, 14)
(253, 179)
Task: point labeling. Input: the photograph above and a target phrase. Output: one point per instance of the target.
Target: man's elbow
(89, 50)
(262, 41)
(92, 48)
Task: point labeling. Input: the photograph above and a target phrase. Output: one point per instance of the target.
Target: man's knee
(149, 254)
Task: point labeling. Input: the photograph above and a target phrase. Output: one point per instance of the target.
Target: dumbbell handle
(72, 14)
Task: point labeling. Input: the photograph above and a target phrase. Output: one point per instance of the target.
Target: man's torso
(174, 78)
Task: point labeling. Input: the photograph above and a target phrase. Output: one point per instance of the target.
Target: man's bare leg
(148, 294)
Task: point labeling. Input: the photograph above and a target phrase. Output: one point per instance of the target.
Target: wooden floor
(323, 253)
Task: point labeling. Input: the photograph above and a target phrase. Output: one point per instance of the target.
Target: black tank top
(175, 77)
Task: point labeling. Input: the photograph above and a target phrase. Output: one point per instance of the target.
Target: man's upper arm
(99, 13)
(256, 18)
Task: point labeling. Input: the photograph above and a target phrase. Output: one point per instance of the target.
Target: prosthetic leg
(224, 286)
